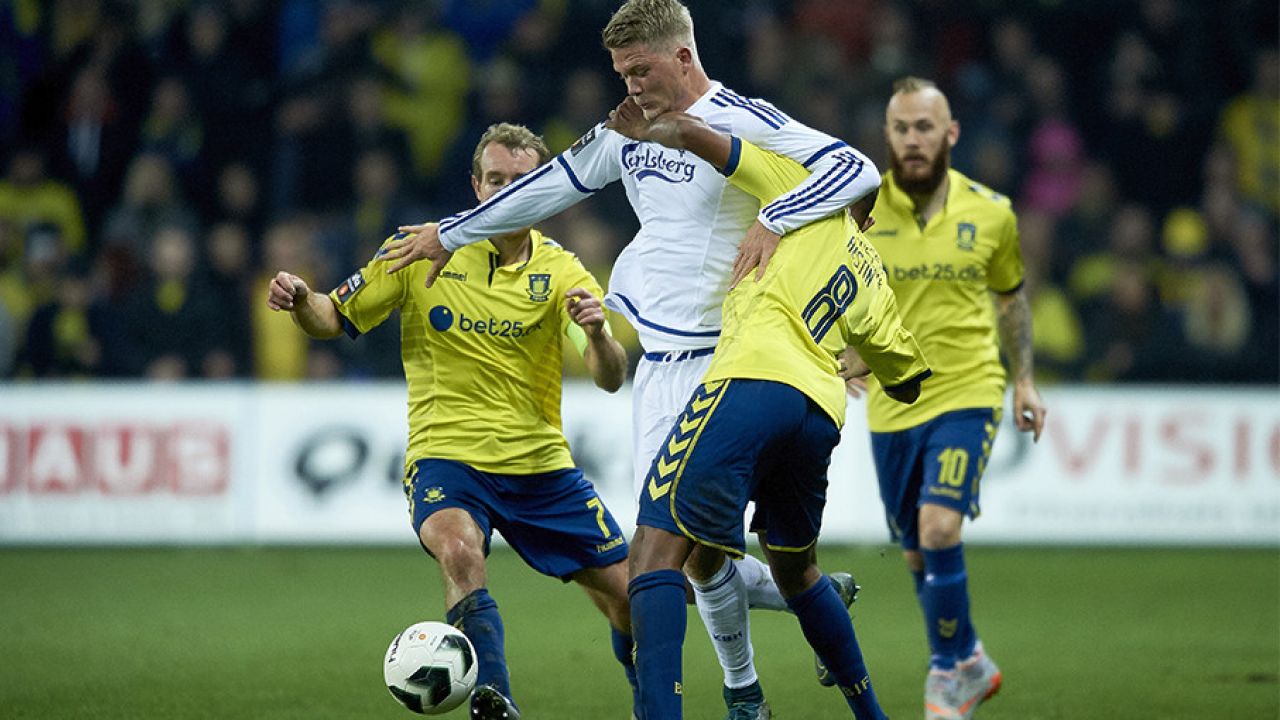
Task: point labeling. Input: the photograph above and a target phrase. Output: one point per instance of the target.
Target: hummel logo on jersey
(650, 161)
(678, 442)
(451, 275)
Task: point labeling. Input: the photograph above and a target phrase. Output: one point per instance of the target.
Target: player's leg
(607, 588)
(696, 491)
(824, 620)
(790, 498)
(561, 528)
(720, 592)
(658, 619)
(955, 455)
(723, 590)
(451, 504)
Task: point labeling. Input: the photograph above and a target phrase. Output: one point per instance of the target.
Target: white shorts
(659, 393)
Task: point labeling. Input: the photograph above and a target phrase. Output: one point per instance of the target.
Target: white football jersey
(671, 279)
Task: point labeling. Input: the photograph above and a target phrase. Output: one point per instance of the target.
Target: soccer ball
(430, 668)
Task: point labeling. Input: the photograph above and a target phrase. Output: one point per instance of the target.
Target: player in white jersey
(672, 277)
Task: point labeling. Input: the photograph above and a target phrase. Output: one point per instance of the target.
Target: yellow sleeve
(367, 297)
(760, 173)
(884, 343)
(1006, 270)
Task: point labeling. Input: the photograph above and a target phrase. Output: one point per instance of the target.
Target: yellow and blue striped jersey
(822, 290)
(482, 352)
(942, 275)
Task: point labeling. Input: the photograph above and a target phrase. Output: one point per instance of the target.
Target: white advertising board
(122, 463)
(324, 463)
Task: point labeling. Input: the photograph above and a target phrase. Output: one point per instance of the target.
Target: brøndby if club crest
(966, 235)
(539, 287)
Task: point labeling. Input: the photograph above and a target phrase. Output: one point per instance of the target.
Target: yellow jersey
(482, 352)
(942, 275)
(823, 289)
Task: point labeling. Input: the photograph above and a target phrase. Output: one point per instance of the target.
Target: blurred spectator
(227, 83)
(1083, 231)
(229, 261)
(586, 101)
(1130, 241)
(170, 318)
(92, 143)
(1057, 168)
(63, 336)
(431, 70)
(237, 198)
(1059, 335)
(1250, 126)
(28, 197)
(173, 130)
(33, 282)
(1131, 336)
(152, 198)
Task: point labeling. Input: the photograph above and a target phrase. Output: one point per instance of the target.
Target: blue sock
(476, 615)
(826, 625)
(945, 598)
(917, 576)
(623, 645)
(658, 620)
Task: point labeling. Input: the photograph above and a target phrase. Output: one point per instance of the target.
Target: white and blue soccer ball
(430, 668)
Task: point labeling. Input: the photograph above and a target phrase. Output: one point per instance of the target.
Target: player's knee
(704, 562)
(939, 527)
(458, 557)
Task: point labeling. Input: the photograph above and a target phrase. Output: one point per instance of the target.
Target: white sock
(722, 603)
(762, 591)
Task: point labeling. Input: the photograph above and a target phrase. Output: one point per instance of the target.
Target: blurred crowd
(163, 158)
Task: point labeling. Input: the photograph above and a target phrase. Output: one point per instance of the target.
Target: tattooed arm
(1014, 316)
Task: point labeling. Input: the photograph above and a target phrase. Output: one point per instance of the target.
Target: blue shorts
(554, 520)
(737, 441)
(939, 462)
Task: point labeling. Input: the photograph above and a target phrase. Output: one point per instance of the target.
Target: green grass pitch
(300, 632)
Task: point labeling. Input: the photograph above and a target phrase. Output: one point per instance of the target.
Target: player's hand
(628, 119)
(1028, 408)
(421, 242)
(586, 310)
(754, 253)
(286, 291)
(854, 372)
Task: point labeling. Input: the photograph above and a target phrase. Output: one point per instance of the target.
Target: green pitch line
(300, 633)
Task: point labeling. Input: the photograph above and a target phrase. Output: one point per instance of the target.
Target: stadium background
(162, 158)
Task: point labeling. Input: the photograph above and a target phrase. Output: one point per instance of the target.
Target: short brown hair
(512, 137)
(911, 84)
(657, 23)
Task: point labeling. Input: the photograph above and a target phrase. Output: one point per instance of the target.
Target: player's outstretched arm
(313, 312)
(605, 357)
(1014, 313)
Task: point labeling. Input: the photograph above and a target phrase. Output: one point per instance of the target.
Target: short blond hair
(912, 84)
(512, 137)
(662, 24)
